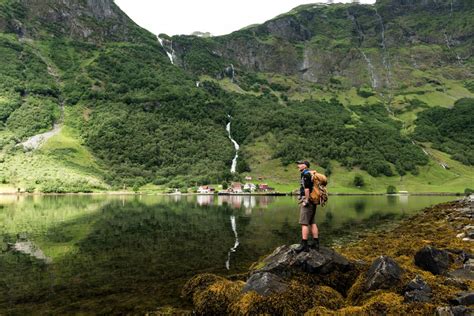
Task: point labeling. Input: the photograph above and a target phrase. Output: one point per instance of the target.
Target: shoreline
(233, 194)
(423, 265)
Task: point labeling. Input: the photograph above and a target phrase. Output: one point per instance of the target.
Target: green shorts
(307, 214)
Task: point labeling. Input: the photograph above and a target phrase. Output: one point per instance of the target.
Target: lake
(132, 254)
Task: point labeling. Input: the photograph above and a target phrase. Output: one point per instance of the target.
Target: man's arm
(306, 195)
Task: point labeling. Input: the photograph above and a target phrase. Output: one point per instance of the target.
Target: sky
(219, 17)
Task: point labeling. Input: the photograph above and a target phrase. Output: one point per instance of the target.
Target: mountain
(357, 89)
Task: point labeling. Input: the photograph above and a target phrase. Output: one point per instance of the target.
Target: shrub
(359, 180)
(391, 189)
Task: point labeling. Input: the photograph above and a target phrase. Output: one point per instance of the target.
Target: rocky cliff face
(376, 45)
(90, 20)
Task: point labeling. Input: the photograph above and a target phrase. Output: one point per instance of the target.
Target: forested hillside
(358, 90)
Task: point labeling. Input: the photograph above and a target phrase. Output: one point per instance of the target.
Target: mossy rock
(216, 298)
(199, 283)
(383, 303)
(298, 299)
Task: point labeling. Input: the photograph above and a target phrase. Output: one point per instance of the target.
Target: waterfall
(370, 66)
(168, 48)
(236, 243)
(198, 84)
(236, 146)
(448, 45)
(373, 79)
(384, 48)
(233, 72)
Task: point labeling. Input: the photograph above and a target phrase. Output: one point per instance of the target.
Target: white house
(250, 187)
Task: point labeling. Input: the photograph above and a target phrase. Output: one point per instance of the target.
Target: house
(263, 187)
(236, 187)
(205, 189)
(250, 187)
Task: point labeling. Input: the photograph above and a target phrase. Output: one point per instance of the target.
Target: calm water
(132, 254)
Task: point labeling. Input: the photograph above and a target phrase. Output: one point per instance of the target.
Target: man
(307, 210)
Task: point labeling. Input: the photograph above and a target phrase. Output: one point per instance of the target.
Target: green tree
(359, 180)
(391, 189)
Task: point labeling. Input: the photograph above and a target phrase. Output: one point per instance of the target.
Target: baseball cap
(300, 162)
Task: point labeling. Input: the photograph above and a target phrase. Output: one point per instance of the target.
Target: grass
(432, 178)
(61, 161)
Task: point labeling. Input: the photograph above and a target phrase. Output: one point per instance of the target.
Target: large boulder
(324, 267)
(265, 283)
(417, 290)
(431, 259)
(285, 261)
(383, 273)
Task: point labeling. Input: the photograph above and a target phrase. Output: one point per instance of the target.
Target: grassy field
(433, 178)
(61, 163)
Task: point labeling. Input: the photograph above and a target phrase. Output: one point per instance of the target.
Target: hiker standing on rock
(307, 209)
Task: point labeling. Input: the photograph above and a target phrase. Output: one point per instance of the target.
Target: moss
(296, 300)
(198, 283)
(216, 298)
(307, 294)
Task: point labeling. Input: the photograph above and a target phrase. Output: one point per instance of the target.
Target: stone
(461, 235)
(454, 311)
(431, 259)
(463, 298)
(417, 290)
(467, 239)
(324, 267)
(284, 260)
(265, 283)
(456, 283)
(382, 274)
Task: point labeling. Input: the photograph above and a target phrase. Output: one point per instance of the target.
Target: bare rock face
(288, 28)
(90, 20)
(384, 273)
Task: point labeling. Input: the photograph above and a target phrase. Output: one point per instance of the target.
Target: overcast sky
(215, 16)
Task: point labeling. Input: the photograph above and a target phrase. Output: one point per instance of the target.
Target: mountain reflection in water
(132, 254)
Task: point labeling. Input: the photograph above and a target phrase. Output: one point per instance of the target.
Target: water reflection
(132, 254)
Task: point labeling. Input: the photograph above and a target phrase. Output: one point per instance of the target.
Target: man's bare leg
(314, 231)
(304, 232)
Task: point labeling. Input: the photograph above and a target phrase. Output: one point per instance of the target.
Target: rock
(265, 283)
(454, 311)
(462, 274)
(463, 298)
(417, 290)
(456, 283)
(461, 235)
(383, 273)
(467, 239)
(431, 259)
(284, 260)
(324, 267)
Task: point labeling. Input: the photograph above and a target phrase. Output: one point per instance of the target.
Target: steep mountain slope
(125, 115)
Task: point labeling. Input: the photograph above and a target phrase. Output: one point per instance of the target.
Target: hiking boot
(315, 244)
(303, 247)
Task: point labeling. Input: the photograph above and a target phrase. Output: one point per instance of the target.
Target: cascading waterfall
(236, 243)
(373, 79)
(385, 60)
(448, 45)
(169, 50)
(370, 66)
(236, 146)
(233, 72)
